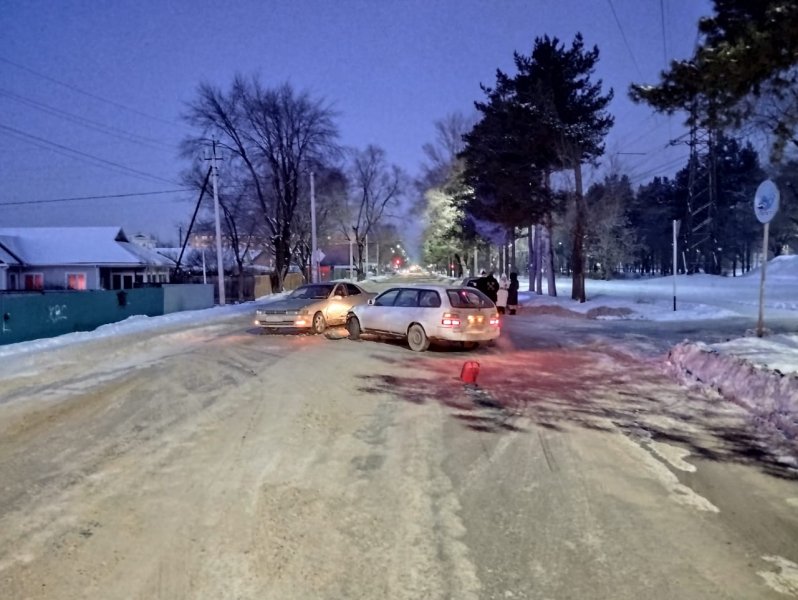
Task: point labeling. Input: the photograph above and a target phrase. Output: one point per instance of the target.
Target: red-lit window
(34, 281)
(76, 281)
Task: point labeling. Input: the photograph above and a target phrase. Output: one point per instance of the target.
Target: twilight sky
(91, 92)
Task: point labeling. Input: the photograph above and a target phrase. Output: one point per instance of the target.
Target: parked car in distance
(313, 306)
(424, 314)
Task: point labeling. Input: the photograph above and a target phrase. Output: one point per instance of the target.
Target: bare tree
(374, 186)
(611, 240)
(271, 137)
(331, 191)
(441, 155)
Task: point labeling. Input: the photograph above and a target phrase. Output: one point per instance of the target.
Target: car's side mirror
(371, 302)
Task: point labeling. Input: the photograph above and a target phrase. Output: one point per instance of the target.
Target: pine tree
(548, 117)
(744, 72)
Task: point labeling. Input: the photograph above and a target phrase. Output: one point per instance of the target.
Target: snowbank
(770, 395)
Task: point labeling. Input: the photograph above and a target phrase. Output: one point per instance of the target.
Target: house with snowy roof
(76, 258)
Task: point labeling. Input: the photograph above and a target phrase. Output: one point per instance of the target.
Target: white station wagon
(424, 314)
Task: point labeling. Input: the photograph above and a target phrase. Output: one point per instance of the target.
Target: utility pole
(351, 257)
(314, 259)
(219, 261)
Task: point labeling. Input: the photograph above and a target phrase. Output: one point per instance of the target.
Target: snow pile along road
(768, 393)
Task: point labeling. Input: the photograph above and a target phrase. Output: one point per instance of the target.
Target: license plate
(476, 322)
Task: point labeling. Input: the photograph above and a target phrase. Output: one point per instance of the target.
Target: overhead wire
(625, 41)
(61, 149)
(664, 37)
(658, 170)
(100, 197)
(646, 133)
(89, 94)
(88, 123)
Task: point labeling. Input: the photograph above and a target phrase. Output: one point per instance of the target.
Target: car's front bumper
(284, 321)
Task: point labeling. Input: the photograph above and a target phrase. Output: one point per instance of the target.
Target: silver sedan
(313, 306)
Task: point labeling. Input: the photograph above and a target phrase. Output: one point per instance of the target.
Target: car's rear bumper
(456, 335)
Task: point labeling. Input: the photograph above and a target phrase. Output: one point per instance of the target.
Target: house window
(76, 281)
(34, 281)
(122, 281)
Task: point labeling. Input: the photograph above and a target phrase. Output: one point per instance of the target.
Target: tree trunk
(550, 276)
(578, 242)
(359, 263)
(530, 267)
(240, 284)
(538, 260)
(513, 265)
(282, 258)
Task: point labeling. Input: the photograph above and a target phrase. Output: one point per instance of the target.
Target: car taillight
(494, 320)
(450, 320)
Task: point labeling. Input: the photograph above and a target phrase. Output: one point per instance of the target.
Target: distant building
(76, 258)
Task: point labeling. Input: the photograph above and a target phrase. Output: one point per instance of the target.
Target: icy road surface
(212, 462)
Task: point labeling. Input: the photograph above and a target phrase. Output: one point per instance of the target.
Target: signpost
(676, 225)
(766, 205)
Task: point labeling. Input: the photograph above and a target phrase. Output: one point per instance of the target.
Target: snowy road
(213, 463)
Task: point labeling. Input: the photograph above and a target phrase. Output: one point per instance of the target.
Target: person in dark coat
(482, 282)
(491, 287)
(512, 294)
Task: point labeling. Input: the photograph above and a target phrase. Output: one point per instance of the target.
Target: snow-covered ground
(702, 297)
(759, 373)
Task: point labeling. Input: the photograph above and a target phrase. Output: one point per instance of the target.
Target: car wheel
(417, 339)
(353, 326)
(319, 324)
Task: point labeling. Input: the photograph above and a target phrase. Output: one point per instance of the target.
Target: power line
(89, 123)
(105, 197)
(664, 38)
(640, 136)
(625, 41)
(87, 94)
(79, 153)
(658, 169)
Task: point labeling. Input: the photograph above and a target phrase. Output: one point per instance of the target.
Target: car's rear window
(429, 299)
(468, 298)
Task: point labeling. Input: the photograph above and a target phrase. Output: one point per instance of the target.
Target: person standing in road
(512, 294)
(482, 283)
(491, 287)
(502, 294)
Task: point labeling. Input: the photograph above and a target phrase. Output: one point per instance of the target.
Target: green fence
(30, 316)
